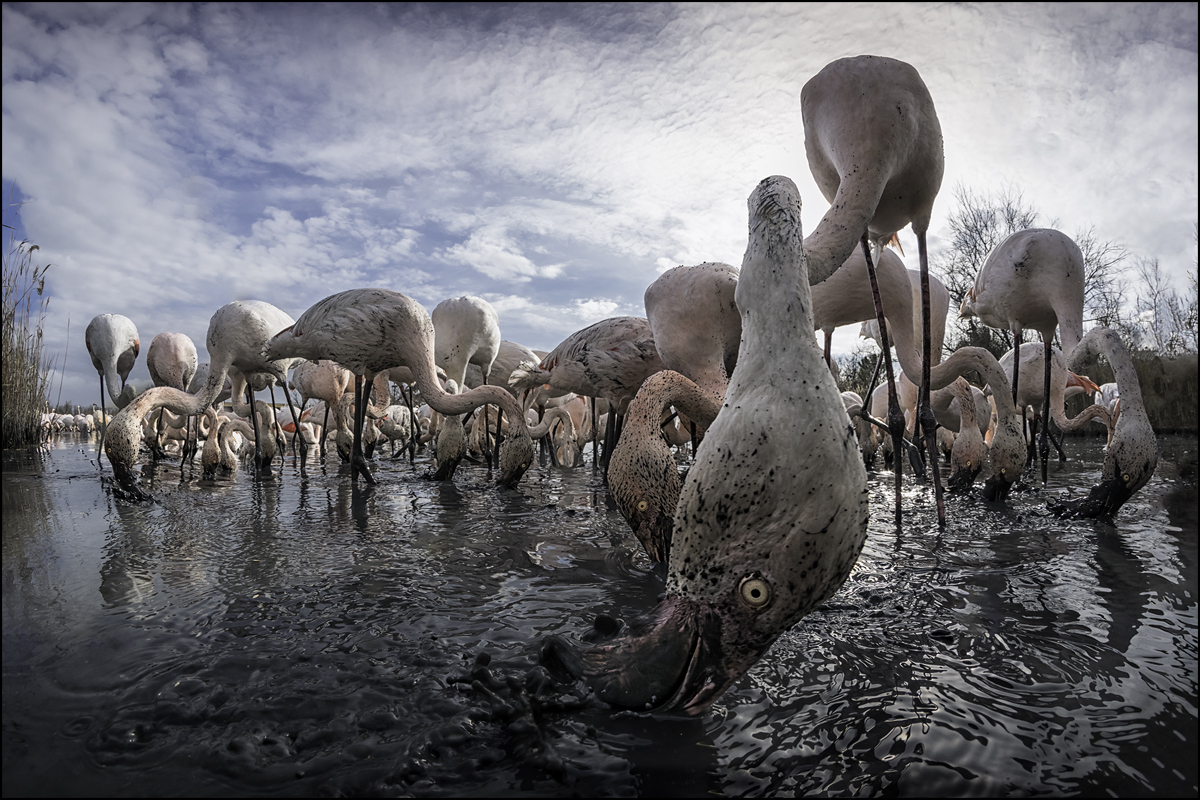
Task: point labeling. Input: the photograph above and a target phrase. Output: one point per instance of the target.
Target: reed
(26, 376)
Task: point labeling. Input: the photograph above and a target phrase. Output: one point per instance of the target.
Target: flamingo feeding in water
(112, 342)
(237, 333)
(874, 145)
(172, 361)
(609, 359)
(1033, 279)
(1063, 384)
(323, 380)
(773, 514)
(643, 478)
(466, 331)
(1132, 453)
(372, 330)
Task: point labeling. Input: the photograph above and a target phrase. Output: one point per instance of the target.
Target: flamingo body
(372, 330)
(773, 514)
(696, 324)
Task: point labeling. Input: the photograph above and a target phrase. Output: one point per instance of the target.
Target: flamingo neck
(841, 229)
(443, 403)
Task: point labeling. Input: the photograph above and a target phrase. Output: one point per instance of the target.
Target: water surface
(268, 635)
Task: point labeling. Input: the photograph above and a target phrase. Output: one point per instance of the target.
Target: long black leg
(924, 411)
(895, 415)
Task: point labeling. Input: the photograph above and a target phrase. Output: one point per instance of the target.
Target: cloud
(558, 157)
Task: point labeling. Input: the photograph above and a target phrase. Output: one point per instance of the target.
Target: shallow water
(271, 635)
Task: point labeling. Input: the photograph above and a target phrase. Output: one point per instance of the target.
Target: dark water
(273, 636)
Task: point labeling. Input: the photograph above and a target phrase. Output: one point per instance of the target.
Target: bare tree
(1104, 281)
(1170, 317)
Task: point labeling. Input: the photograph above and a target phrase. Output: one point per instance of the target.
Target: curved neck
(1102, 341)
(966, 405)
(552, 415)
(842, 227)
(966, 359)
(443, 403)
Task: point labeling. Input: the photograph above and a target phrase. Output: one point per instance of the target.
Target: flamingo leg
(280, 444)
(925, 412)
(595, 438)
(412, 424)
(610, 437)
(895, 415)
(324, 431)
(1044, 448)
(298, 435)
(258, 453)
(1016, 362)
(542, 457)
(357, 462)
(104, 423)
(1058, 446)
(487, 432)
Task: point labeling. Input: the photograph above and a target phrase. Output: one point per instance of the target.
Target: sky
(551, 159)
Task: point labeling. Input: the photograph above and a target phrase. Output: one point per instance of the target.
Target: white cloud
(179, 157)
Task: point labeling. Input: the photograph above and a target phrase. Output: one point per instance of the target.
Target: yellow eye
(1125, 478)
(755, 591)
(643, 505)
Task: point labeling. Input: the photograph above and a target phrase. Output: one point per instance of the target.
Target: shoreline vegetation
(26, 374)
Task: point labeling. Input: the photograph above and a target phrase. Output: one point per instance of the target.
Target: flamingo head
(644, 482)
(680, 657)
(1129, 463)
(1007, 455)
(967, 307)
(516, 454)
(1080, 383)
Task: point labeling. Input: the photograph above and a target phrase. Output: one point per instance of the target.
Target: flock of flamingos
(773, 512)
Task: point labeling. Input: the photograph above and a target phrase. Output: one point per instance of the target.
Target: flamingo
(237, 333)
(695, 323)
(1063, 384)
(324, 380)
(773, 514)
(509, 356)
(845, 297)
(372, 330)
(874, 145)
(1132, 454)
(642, 477)
(1033, 279)
(609, 359)
(969, 451)
(112, 342)
(172, 362)
(1006, 454)
(466, 331)
(403, 376)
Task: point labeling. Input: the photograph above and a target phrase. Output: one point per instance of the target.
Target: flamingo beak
(1081, 381)
(677, 658)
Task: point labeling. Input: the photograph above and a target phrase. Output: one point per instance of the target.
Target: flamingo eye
(755, 592)
(642, 505)
(1125, 477)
